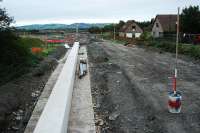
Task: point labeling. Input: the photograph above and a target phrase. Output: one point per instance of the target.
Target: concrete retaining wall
(54, 118)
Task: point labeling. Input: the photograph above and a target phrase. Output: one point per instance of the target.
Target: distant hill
(60, 26)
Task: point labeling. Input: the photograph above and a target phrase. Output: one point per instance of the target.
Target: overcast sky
(89, 11)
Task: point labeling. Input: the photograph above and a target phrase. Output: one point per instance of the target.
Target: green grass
(47, 51)
(109, 36)
(169, 46)
(191, 50)
(55, 44)
(16, 58)
(32, 42)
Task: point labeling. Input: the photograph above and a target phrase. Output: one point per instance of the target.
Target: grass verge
(168, 46)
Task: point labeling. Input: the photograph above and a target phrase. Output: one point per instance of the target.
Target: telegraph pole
(46, 38)
(77, 31)
(114, 30)
(177, 36)
(101, 35)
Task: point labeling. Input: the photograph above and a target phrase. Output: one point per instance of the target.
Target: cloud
(67, 11)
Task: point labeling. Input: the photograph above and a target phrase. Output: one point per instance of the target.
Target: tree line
(189, 23)
(15, 53)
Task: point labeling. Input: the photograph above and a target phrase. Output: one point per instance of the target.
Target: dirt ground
(18, 97)
(130, 90)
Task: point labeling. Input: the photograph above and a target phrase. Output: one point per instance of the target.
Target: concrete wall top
(54, 118)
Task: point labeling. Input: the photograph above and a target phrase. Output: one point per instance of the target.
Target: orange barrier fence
(36, 50)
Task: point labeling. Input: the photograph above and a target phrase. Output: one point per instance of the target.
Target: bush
(13, 53)
(15, 57)
(146, 36)
(194, 51)
(32, 42)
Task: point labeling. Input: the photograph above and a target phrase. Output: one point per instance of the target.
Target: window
(157, 25)
(134, 28)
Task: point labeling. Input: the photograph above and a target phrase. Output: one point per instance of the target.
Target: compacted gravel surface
(130, 90)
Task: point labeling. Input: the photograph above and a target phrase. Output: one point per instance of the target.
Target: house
(163, 25)
(122, 31)
(130, 30)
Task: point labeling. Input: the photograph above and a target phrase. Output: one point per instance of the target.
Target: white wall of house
(137, 35)
(129, 35)
(133, 35)
(157, 30)
(121, 34)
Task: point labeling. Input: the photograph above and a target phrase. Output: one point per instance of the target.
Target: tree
(190, 20)
(13, 51)
(119, 25)
(108, 28)
(5, 20)
(94, 30)
(145, 25)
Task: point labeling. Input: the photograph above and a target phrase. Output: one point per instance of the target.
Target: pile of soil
(19, 97)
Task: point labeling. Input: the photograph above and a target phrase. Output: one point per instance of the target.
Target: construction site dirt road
(130, 89)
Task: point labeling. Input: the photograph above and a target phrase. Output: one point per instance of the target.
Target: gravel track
(129, 88)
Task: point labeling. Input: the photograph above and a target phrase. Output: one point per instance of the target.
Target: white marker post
(177, 42)
(174, 102)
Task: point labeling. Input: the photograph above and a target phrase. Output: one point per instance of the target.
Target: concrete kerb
(45, 95)
(54, 118)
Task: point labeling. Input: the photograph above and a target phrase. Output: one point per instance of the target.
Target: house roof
(168, 22)
(127, 27)
(123, 28)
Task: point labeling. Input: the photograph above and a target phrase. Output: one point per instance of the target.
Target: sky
(27, 12)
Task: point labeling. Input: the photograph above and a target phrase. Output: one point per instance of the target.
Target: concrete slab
(44, 96)
(82, 114)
